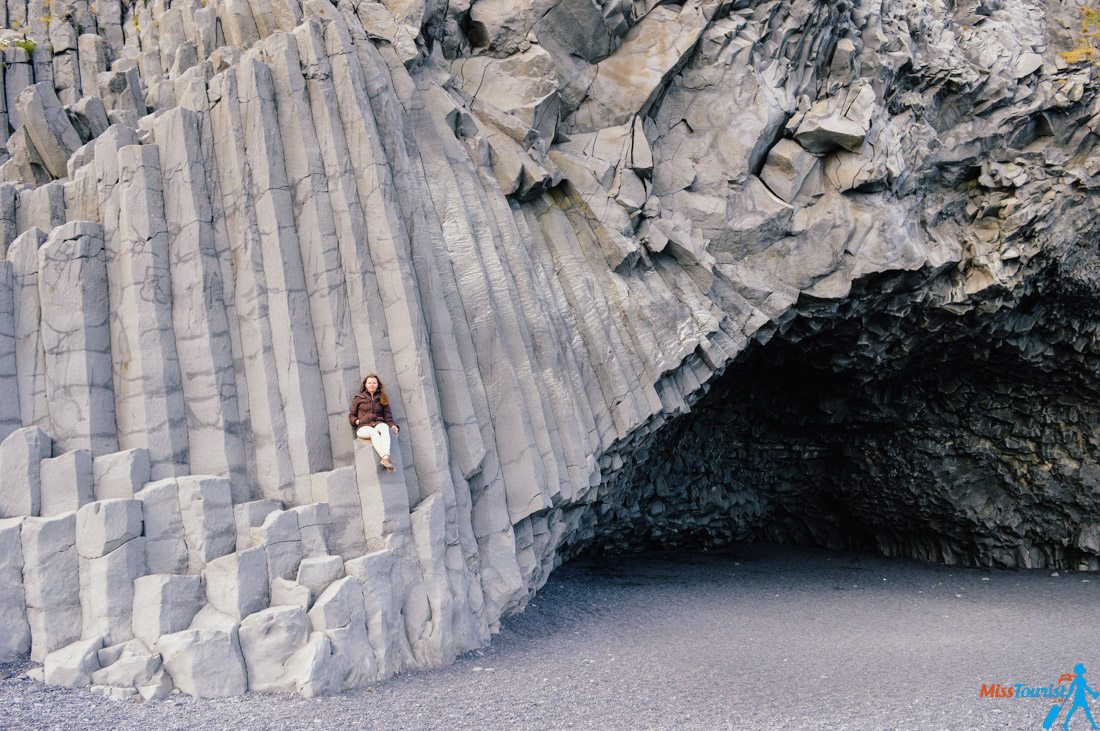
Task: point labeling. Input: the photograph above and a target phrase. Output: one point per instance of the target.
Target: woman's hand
(357, 422)
(395, 428)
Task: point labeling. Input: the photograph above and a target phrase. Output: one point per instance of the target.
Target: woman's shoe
(385, 462)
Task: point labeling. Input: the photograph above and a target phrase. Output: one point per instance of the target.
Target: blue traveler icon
(1077, 690)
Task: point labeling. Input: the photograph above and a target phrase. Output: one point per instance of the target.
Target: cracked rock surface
(632, 273)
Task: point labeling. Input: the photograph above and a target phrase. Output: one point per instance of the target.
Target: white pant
(379, 436)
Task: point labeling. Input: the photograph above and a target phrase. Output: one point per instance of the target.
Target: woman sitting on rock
(371, 417)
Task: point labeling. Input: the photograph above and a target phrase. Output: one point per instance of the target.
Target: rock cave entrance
(958, 437)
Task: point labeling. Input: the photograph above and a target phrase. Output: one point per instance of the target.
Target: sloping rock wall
(811, 271)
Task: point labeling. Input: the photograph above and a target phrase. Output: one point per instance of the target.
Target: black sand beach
(757, 637)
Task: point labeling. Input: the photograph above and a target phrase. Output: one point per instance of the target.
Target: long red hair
(381, 389)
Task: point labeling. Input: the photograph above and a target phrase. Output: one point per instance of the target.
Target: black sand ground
(760, 637)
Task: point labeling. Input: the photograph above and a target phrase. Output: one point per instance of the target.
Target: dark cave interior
(959, 437)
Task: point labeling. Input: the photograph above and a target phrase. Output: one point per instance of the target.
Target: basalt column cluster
(636, 272)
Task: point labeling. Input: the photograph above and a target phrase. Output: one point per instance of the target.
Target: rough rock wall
(582, 245)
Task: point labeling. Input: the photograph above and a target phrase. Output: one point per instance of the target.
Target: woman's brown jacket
(369, 410)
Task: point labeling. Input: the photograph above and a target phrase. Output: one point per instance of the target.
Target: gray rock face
(786, 168)
(251, 515)
(51, 582)
(120, 474)
(204, 663)
(107, 591)
(15, 633)
(48, 127)
(73, 665)
(165, 541)
(132, 668)
(66, 482)
(73, 290)
(237, 584)
(103, 526)
(280, 541)
(268, 640)
(206, 512)
(316, 573)
(340, 615)
(286, 593)
(21, 455)
(632, 274)
(164, 604)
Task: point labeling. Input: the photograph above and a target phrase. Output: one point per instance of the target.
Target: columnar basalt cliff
(633, 273)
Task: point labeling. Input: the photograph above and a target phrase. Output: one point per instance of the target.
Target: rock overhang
(920, 432)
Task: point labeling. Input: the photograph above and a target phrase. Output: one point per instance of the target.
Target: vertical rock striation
(632, 273)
